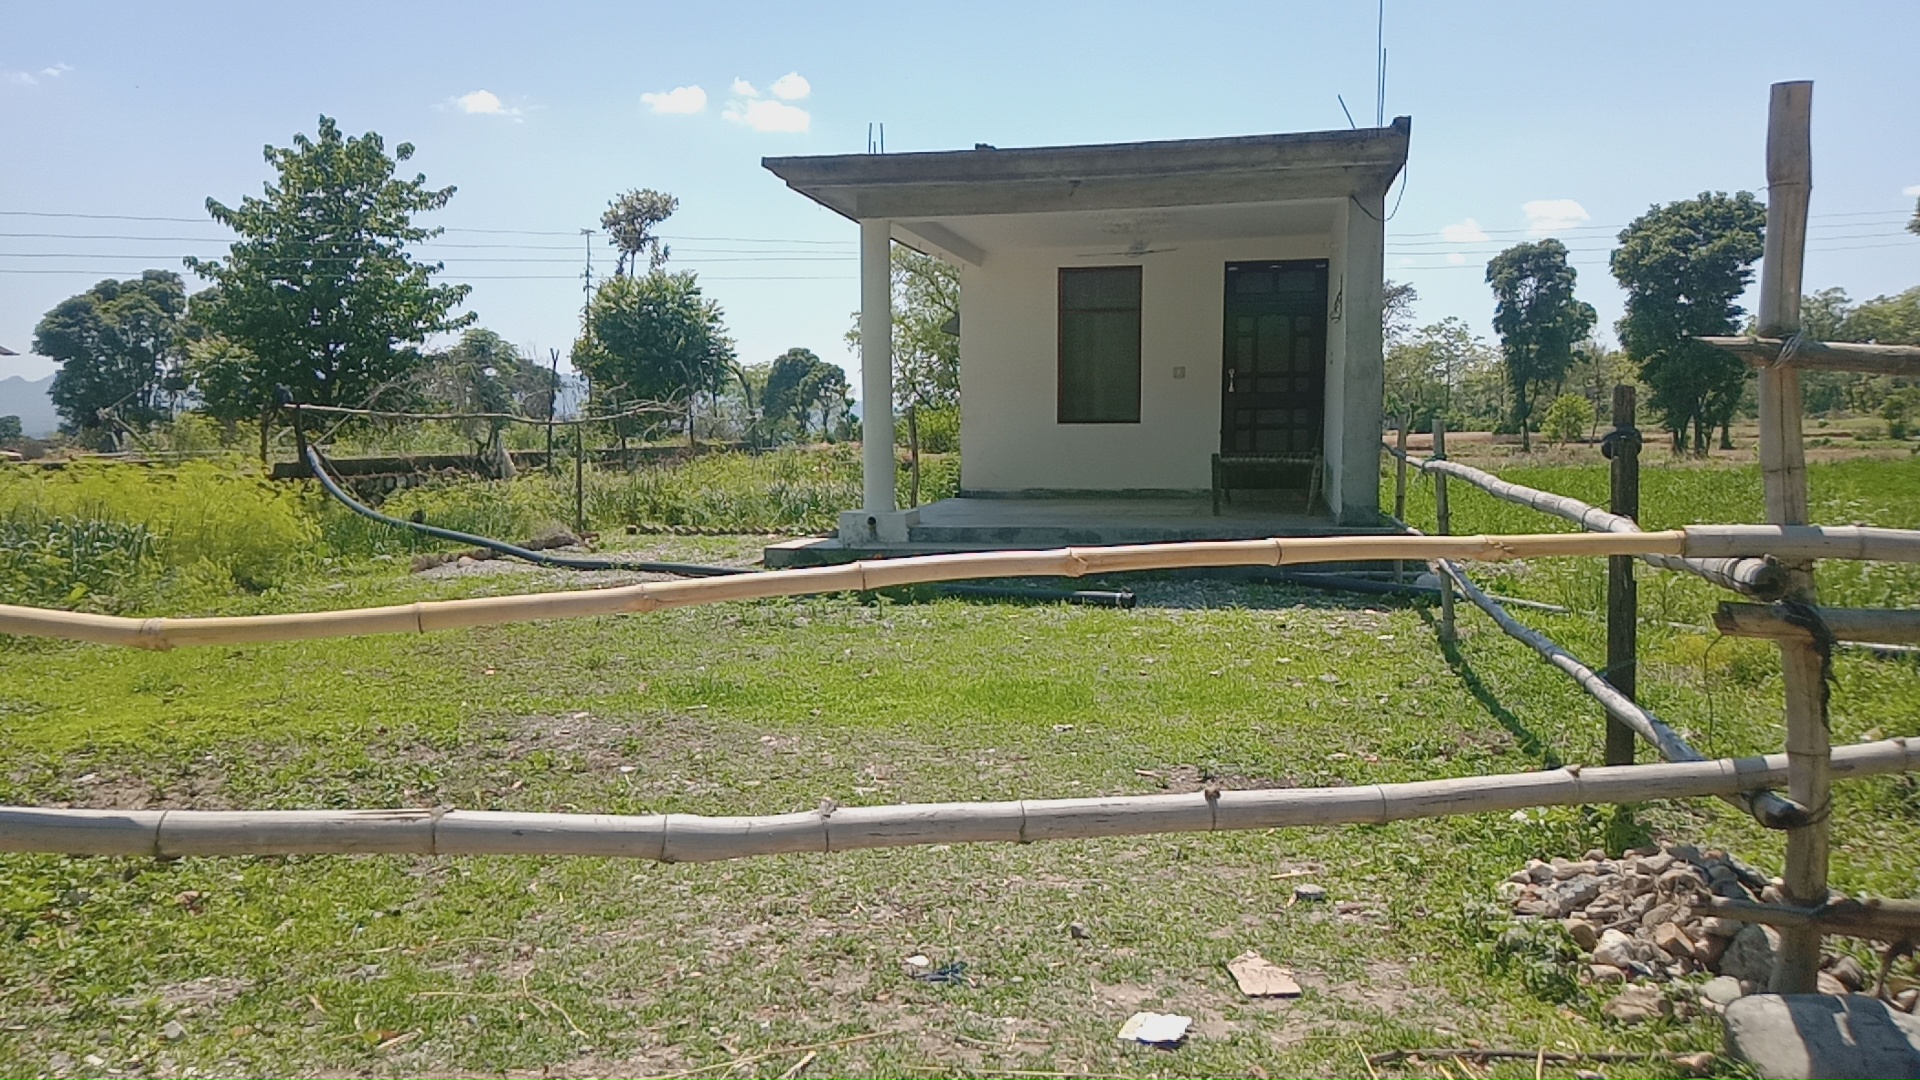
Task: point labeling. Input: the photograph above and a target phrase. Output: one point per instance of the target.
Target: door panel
(1273, 385)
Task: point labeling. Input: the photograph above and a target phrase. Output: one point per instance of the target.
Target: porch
(972, 523)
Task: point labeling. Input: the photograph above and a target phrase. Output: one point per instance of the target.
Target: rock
(1721, 872)
(1615, 948)
(1577, 892)
(1772, 895)
(1825, 983)
(1638, 905)
(1673, 941)
(173, 1030)
(1686, 853)
(1655, 865)
(1654, 916)
(555, 537)
(1258, 977)
(1850, 973)
(1680, 879)
(1700, 1063)
(1594, 855)
(1715, 926)
(1605, 974)
(1520, 877)
(1583, 933)
(1722, 990)
(1565, 871)
(1908, 999)
(1732, 890)
(1709, 950)
(1749, 957)
(1588, 1074)
(1815, 1035)
(1509, 891)
(1638, 1005)
(1538, 908)
(1079, 931)
(1308, 893)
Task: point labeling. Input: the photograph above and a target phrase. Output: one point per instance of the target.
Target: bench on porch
(1263, 472)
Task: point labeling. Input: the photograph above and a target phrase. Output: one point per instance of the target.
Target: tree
(800, 382)
(926, 330)
(10, 431)
(484, 372)
(1830, 315)
(1396, 312)
(653, 338)
(1425, 366)
(119, 347)
(320, 287)
(1684, 266)
(630, 220)
(1538, 319)
(1567, 418)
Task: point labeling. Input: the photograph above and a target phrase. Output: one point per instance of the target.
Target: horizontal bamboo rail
(1748, 576)
(1809, 355)
(505, 418)
(1767, 807)
(694, 838)
(1886, 920)
(424, 616)
(1871, 626)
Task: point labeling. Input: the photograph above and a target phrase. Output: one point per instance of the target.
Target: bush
(70, 561)
(939, 430)
(1569, 417)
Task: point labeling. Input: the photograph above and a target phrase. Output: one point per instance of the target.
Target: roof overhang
(1186, 172)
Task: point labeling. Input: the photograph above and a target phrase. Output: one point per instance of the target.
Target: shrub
(71, 561)
(1569, 417)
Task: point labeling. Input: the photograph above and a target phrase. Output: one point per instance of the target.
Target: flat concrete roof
(1182, 172)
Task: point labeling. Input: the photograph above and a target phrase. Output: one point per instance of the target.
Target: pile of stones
(1643, 920)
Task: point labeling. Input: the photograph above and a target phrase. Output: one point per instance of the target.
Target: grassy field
(404, 966)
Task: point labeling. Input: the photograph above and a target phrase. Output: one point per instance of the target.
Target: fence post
(1400, 488)
(1783, 469)
(579, 481)
(1443, 523)
(1623, 600)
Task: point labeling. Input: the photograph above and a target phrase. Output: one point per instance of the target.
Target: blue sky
(1529, 118)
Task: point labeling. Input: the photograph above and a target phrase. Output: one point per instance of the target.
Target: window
(1100, 345)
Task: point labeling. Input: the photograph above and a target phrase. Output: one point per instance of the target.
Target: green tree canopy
(320, 286)
(118, 346)
(653, 338)
(1538, 319)
(1424, 367)
(630, 220)
(1831, 315)
(1684, 266)
(926, 330)
(798, 383)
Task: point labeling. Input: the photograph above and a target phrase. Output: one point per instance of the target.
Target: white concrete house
(1140, 325)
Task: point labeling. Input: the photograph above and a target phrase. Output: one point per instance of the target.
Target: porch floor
(987, 524)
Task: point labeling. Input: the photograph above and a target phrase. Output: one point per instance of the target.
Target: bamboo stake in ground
(1783, 470)
(1623, 596)
(1444, 522)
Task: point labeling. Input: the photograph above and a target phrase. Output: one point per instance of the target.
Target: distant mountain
(31, 402)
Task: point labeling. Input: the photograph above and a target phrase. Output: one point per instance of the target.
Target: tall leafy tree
(1831, 315)
(798, 383)
(119, 348)
(320, 287)
(1684, 266)
(1426, 366)
(630, 220)
(653, 338)
(926, 330)
(1538, 319)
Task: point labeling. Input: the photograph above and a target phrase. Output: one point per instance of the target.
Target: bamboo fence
(1802, 542)
(831, 828)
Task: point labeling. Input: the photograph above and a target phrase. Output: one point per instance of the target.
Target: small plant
(1569, 417)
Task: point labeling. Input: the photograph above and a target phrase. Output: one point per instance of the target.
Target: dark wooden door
(1273, 382)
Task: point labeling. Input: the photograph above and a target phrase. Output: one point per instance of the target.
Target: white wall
(1010, 439)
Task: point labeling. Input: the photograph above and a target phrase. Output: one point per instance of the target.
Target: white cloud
(56, 70)
(1465, 232)
(1912, 189)
(1548, 216)
(744, 88)
(791, 87)
(1457, 259)
(20, 78)
(768, 115)
(483, 103)
(681, 99)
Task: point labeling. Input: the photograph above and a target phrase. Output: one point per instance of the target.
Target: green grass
(402, 966)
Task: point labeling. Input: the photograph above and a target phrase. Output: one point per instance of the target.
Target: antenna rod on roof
(1349, 112)
(1380, 68)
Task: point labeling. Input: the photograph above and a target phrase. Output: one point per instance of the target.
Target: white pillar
(876, 366)
(1363, 382)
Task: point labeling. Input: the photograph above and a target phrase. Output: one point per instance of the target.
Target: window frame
(1060, 342)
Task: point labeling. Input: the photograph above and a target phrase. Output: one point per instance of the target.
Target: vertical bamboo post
(1623, 601)
(579, 481)
(1400, 487)
(1783, 468)
(1443, 524)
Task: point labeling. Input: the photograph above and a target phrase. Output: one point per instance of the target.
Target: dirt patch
(1182, 779)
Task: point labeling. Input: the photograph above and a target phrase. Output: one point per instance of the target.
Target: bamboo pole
(694, 838)
(1443, 520)
(1869, 626)
(1884, 920)
(1766, 807)
(1623, 597)
(1749, 576)
(1400, 486)
(1783, 470)
(1808, 355)
(426, 616)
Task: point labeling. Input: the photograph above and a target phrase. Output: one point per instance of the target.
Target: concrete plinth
(1823, 1035)
(859, 527)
